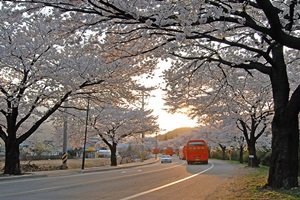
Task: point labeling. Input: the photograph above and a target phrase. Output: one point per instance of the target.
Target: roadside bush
(235, 155)
(218, 155)
(265, 158)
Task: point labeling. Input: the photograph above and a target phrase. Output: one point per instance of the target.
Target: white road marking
(167, 185)
(124, 175)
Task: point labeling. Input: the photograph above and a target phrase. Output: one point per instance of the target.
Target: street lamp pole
(143, 134)
(85, 133)
(156, 145)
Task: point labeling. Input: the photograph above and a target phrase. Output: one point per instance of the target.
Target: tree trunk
(251, 140)
(253, 160)
(223, 148)
(113, 157)
(284, 158)
(12, 160)
(283, 172)
(241, 154)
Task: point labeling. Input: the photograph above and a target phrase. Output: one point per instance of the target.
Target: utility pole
(144, 94)
(85, 132)
(65, 136)
(156, 133)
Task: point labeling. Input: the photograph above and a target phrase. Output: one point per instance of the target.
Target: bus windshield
(196, 143)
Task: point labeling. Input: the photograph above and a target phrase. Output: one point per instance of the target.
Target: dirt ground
(250, 183)
(44, 165)
(236, 187)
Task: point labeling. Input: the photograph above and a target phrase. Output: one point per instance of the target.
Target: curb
(27, 175)
(73, 171)
(118, 167)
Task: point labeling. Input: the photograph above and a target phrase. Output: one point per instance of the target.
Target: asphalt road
(165, 181)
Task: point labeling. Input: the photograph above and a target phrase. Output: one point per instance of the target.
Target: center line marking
(167, 185)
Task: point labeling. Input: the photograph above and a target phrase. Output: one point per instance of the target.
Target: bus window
(196, 144)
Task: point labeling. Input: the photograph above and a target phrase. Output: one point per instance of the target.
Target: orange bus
(155, 150)
(168, 151)
(181, 152)
(196, 151)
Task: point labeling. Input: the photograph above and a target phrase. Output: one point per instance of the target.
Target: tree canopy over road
(212, 36)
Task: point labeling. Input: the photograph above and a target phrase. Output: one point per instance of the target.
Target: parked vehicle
(196, 152)
(168, 151)
(166, 159)
(181, 152)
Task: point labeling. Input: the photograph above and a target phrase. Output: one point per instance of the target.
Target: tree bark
(241, 154)
(251, 140)
(283, 171)
(113, 157)
(12, 160)
(223, 148)
(253, 162)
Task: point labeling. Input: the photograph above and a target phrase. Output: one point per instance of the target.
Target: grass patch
(251, 186)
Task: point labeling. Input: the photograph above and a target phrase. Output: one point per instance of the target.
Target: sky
(167, 121)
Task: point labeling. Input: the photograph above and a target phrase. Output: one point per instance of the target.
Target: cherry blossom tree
(220, 135)
(227, 96)
(41, 67)
(250, 35)
(114, 124)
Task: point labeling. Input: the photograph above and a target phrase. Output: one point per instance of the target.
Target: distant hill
(173, 134)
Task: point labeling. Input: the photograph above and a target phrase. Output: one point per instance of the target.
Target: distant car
(166, 159)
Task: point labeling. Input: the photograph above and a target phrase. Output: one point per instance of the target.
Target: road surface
(165, 181)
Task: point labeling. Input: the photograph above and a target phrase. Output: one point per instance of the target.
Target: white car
(166, 159)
